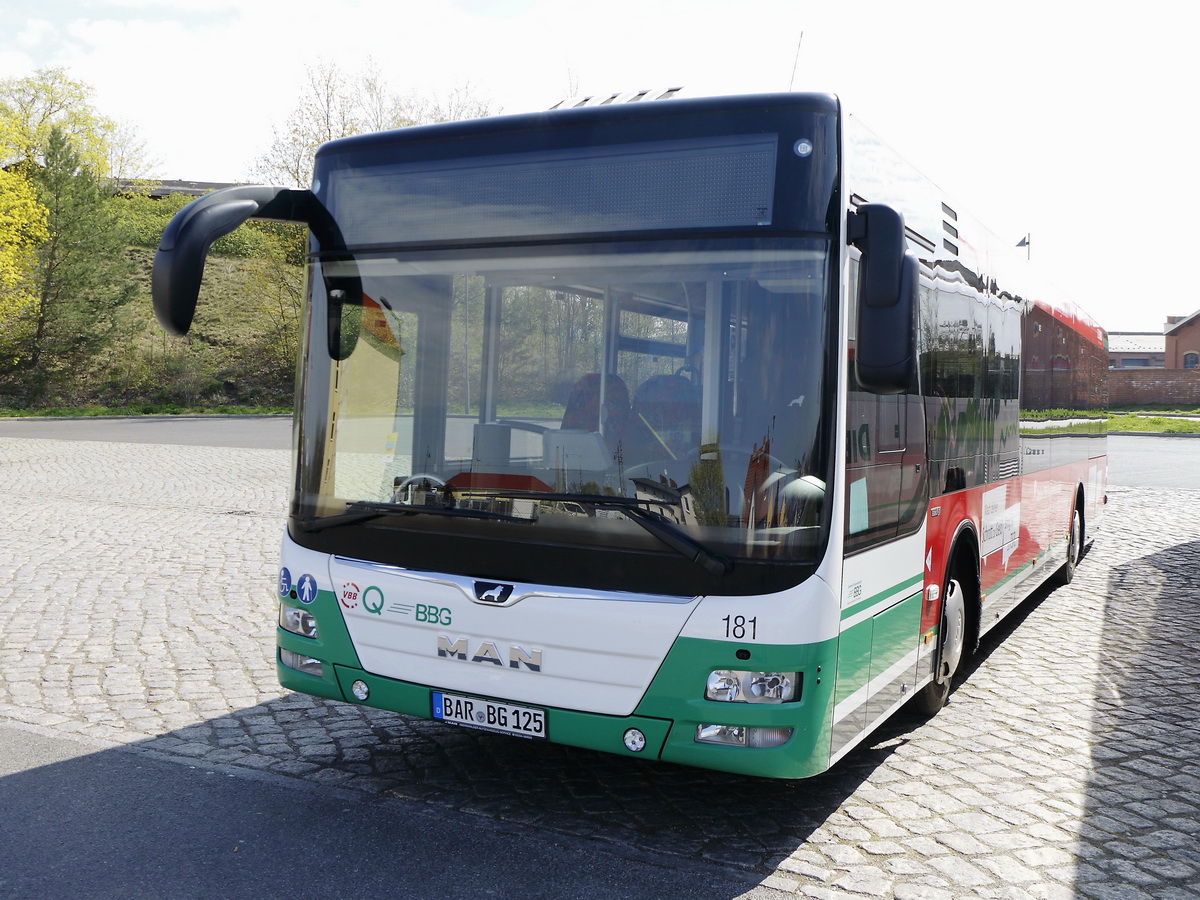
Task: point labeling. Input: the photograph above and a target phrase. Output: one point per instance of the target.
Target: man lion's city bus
(701, 430)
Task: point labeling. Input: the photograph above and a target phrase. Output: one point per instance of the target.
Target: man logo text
(488, 652)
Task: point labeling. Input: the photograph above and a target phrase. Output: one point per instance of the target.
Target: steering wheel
(413, 481)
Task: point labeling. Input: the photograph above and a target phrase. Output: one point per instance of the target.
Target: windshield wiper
(365, 511)
(654, 523)
(634, 508)
(673, 536)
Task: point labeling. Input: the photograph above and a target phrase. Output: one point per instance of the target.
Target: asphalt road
(251, 432)
(85, 821)
(1168, 461)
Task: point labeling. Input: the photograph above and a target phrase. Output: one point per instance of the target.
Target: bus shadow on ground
(750, 823)
(1140, 805)
(731, 820)
(1143, 794)
(122, 823)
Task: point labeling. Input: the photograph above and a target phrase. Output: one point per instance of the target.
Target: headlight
(733, 686)
(742, 736)
(297, 621)
(300, 662)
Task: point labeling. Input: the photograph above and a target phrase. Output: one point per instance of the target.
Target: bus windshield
(664, 398)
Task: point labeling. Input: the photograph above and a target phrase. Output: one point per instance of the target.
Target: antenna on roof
(796, 62)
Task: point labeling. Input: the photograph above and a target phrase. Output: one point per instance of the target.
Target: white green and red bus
(701, 430)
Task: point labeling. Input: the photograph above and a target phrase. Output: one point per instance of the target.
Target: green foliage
(48, 101)
(147, 409)
(240, 352)
(1059, 413)
(22, 228)
(72, 255)
(1133, 422)
(65, 274)
(80, 278)
(1165, 408)
(707, 481)
(145, 217)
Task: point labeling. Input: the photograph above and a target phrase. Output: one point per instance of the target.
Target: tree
(22, 228)
(336, 104)
(461, 103)
(81, 277)
(63, 265)
(49, 99)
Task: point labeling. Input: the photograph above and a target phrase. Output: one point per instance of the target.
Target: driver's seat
(669, 405)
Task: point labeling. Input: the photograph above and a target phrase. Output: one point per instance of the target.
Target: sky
(1065, 120)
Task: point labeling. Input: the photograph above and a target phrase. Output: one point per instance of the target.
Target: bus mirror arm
(179, 262)
(885, 352)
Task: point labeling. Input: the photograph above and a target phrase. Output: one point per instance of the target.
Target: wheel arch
(963, 562)
(1081, 506)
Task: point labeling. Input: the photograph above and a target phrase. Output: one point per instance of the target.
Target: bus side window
(884, 455)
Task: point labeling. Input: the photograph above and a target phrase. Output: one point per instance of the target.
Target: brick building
(1151, 368)
(1136, 349)
(1182, 344)
(1177, 346)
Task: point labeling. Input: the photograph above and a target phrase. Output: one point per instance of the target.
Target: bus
(702, 430)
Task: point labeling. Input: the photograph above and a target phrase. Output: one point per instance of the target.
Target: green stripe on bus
(882, 595)
(1015, 575)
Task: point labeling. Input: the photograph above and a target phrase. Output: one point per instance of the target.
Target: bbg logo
(433, 615)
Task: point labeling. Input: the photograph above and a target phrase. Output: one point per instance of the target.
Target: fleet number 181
(740, 628)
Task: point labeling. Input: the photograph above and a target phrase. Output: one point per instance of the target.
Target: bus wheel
(952, 636)
(1066, 574)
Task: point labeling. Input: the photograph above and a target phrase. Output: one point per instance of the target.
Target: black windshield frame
(475, 546)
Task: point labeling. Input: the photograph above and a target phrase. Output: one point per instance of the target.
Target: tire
(1066, 573)
(952, 638)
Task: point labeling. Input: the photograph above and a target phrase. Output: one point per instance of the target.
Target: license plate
(489, 715)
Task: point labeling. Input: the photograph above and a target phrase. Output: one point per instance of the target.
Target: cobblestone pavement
(136, 608)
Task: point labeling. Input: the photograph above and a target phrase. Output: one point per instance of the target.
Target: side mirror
(345, 298)
(179, 262)
(885, 355)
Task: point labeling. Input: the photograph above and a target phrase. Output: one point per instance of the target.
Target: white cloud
(36, 33)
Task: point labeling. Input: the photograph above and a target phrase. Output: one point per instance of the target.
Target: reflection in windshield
(594, 397)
